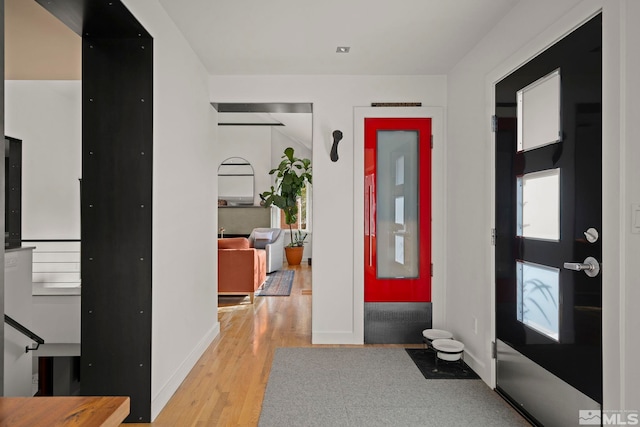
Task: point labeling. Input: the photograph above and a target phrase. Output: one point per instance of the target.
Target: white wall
(334, 99)
(57, 318)
(280, 141)
(527, 29)
(185, 314)
(47, 117)
(252, 143)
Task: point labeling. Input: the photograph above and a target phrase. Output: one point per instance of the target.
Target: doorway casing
(614, 216)
(438, 202)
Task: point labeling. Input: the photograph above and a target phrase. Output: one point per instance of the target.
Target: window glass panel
(400, 170)
(304, 219)
(399, 249)
(400, 210)
(539, 113)
(397, 234)
(538, 211)
(538, 292)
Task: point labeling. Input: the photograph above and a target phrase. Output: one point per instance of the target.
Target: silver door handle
(590, 266)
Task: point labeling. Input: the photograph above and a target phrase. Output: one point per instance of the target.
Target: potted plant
(292, 175)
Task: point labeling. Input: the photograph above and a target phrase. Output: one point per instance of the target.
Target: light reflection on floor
(232, 302)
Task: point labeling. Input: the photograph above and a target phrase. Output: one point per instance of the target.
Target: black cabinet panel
(117, 169)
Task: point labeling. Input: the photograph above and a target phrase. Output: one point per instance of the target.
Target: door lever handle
(590, 266)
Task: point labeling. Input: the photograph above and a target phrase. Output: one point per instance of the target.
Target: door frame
(438, 202)
(612, 211)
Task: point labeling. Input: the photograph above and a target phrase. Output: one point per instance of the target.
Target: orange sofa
(241, 269)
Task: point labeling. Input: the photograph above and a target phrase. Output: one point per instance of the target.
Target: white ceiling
(399, 37)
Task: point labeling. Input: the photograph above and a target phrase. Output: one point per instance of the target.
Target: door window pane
(539, 205)
(400, 170)
(400, 210)
(399, 249)
(538, 304)
(539, 112)
(397, 233)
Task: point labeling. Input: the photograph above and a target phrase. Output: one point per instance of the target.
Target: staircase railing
(23, 330)
(56, 266)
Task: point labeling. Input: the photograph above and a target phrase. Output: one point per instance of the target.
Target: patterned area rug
(278, 284)
(425, 360)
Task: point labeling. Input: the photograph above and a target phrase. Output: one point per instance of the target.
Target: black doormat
(425, 360)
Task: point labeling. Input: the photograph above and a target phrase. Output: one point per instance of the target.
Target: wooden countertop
(63, 411)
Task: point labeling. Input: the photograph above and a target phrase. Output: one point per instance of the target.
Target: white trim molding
(438, 203)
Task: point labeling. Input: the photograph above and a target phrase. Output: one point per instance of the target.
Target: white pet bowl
(448, 349)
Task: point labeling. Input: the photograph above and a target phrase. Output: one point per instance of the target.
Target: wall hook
(337, 136)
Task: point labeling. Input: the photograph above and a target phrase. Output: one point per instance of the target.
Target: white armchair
(272, 241)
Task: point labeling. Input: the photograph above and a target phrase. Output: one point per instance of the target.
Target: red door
(397, 210)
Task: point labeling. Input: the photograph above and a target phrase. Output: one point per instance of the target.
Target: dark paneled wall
(116, 217)
(117, 165)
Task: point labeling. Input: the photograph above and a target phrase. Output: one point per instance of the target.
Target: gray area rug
(373, 387)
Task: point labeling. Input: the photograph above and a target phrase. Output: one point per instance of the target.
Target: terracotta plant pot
(294, 254)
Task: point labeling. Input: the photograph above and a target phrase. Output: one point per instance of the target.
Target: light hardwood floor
(227, 385)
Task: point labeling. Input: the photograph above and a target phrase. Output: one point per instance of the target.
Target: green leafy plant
(292, 175)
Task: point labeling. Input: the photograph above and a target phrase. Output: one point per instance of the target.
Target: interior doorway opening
(259, 134)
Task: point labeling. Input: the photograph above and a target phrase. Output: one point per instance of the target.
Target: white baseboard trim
(477, 365)
(166, 392)
(346, 337)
